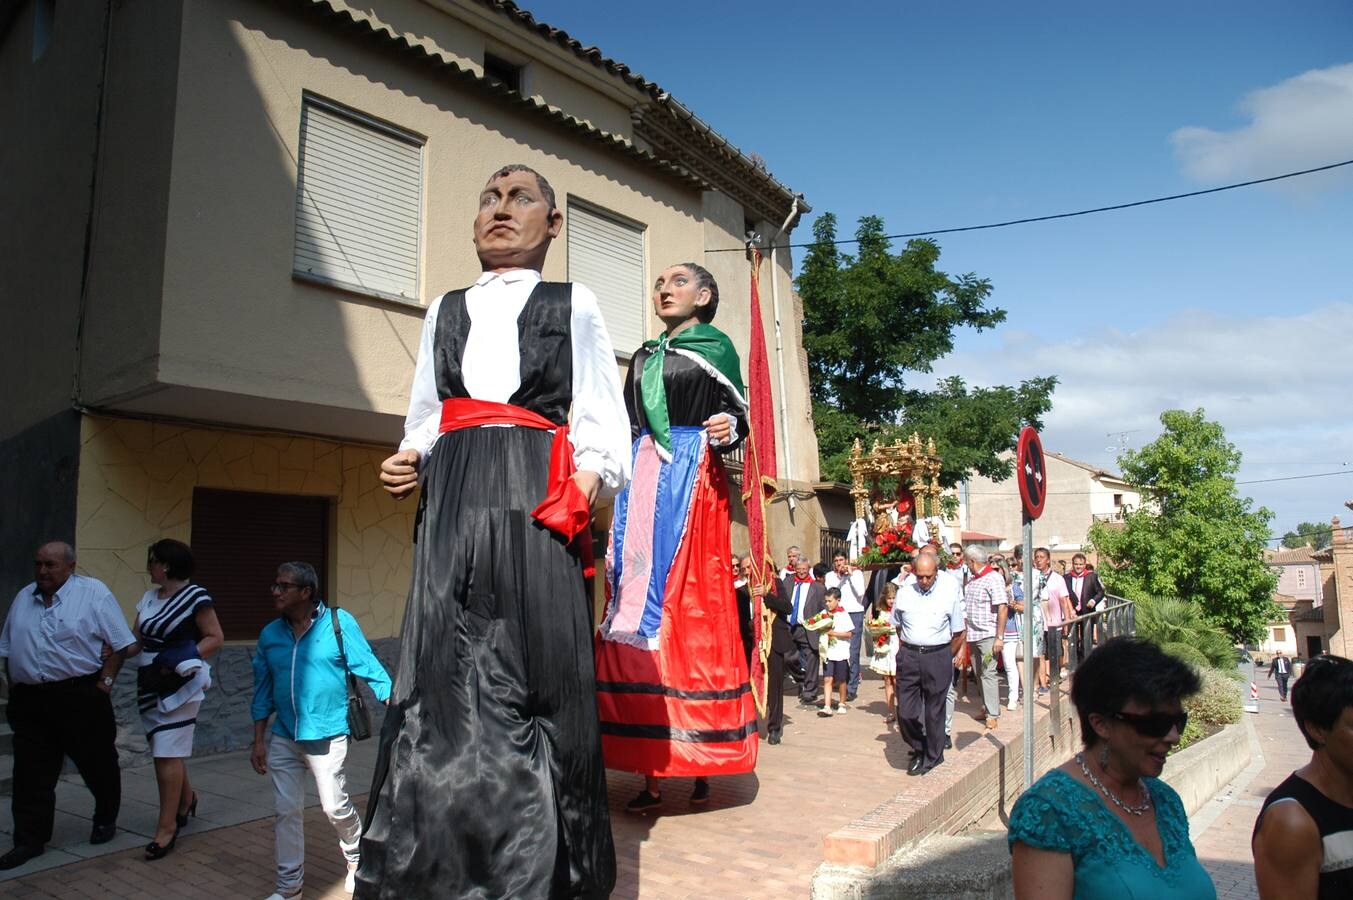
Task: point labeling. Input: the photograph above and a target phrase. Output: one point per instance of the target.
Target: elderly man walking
(985, 602)
(300, 673)
(59, 698)
(930, 625)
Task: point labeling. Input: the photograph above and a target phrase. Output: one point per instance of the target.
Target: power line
(1296, 477)
(1065, 215)
(1051, 493)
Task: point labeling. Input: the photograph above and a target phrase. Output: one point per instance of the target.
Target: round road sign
(1031, 474)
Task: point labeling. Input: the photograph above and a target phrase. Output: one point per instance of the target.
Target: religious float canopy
(892, 485)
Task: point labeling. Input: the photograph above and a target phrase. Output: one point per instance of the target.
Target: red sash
(565, 509)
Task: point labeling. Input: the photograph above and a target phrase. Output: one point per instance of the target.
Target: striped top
(169, 620)
(1333, 820)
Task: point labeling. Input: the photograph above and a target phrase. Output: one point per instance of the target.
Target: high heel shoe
(154, 851)
(182, 818)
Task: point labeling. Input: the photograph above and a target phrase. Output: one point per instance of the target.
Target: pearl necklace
(1133, 810)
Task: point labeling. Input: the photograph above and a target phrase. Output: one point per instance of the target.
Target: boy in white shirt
(836, 664)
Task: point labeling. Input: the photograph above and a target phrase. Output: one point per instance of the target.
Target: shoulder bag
(359, 717)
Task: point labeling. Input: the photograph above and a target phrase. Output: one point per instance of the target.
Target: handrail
(1116, 617)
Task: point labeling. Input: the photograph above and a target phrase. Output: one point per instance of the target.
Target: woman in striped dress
(177, 629)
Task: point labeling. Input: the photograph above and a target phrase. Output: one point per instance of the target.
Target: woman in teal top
(1103, 825)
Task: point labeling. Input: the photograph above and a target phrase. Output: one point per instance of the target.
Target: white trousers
(1008, 651)
(288, 762)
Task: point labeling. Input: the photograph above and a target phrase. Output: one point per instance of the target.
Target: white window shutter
(359, 202)
(606, 254)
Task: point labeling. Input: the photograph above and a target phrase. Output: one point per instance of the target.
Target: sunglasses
(1154, 725)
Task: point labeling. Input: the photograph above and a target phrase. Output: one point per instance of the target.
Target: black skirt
(489, 780)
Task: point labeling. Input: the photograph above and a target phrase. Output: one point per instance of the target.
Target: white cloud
(1275, 383)
(1299, 123)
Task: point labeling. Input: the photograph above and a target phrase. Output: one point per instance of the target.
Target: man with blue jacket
(299, 676)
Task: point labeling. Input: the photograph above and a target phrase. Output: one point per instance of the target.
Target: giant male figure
(489, 781)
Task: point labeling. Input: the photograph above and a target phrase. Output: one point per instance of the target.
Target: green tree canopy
(872, 318)
(1193, 537)
(1308, 533)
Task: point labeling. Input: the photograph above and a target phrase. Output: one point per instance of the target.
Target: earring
(1104, 756)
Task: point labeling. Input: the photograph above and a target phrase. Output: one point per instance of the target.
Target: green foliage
(1169, 622)
(1217, 704)
(1194, 538)
(871, 318)
(1188, 653)
(1308, 533)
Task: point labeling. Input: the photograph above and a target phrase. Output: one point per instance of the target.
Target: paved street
(761, 834)
(1221, 830)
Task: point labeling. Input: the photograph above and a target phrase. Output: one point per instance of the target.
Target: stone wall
(224, 723)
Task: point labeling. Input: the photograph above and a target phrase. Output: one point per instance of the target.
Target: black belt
(920, 649)
(63, 683)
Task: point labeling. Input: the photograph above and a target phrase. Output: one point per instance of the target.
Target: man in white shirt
(59, 697)
(850, 582)
(928, 616)
(791, 561)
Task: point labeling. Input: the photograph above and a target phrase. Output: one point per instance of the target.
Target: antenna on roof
(1124, 444)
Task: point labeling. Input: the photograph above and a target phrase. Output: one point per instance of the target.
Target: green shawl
(706, 342)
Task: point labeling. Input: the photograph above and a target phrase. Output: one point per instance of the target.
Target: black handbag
(359, 717)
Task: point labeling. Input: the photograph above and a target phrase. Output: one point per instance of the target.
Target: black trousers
(775, 693)
(922, 686)
(1282, 686)
(806, 644)
(50, 722)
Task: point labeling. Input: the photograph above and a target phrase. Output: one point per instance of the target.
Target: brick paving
(760, 835)
(1223, 844)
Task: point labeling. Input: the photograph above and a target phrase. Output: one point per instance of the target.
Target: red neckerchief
(809, 580)
(987, 571)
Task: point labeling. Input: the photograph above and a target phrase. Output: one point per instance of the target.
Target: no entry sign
(1032, 476)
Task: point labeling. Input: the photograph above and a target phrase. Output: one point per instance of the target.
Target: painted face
(1142, 736)
(50, 569)
(515, 224)
(676, 297)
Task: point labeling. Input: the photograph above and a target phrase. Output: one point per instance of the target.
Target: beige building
(1301, 630)
(1078, 494)
(225, 221)
(1335, 615)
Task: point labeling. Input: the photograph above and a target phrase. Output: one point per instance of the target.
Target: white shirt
(851, 587)
(491, 370)
(840, 648)
(66, 639)
(928, 618)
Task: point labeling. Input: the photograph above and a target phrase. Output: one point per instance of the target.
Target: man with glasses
(300, 674)
(59, 704)
(928, 616)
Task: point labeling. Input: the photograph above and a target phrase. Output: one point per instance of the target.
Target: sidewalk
(760, 835)
(1221, 830)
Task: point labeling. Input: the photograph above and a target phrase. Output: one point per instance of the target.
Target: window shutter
(239, 538)
(607, 255)
(359, 189)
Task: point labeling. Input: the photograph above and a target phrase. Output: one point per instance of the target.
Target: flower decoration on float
(892, 547)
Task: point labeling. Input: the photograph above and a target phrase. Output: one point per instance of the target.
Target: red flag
(759, 478)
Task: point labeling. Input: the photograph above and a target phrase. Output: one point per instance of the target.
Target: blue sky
(939, 115)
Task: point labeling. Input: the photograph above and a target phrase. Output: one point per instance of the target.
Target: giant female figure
(672, 680)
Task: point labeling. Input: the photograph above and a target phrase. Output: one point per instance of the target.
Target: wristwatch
(108, 681)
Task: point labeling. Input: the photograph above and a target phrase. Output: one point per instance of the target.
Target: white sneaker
(825, 712)
(841, 707)
(350, 882)
(1012, 706)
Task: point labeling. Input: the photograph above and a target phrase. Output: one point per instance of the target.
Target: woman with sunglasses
(1104, 824)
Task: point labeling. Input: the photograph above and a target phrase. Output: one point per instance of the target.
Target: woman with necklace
(1103, 825)
(177, 628)
(672, 677)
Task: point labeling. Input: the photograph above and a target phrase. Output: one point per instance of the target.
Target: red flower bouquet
(891, 547)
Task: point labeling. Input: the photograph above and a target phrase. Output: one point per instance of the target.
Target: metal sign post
(1033, 491)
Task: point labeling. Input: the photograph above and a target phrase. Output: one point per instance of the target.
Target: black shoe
(912, 754)
(917, 764)
(700, 794)
(645, 800)
(850, 696)
(182, 818)
(102, 834)
(773, 739)
(948, 742)
(20, 855)
(154, 851)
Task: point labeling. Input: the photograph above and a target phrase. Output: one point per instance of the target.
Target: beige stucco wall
(233, 318)
(136, 486)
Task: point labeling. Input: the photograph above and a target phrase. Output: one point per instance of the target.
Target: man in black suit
(1281, 667)
(781, 646)
(807, 597)
(1086, 596)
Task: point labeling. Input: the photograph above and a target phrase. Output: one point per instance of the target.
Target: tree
(1308, 534)
(872, 318)
(1193, 538)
